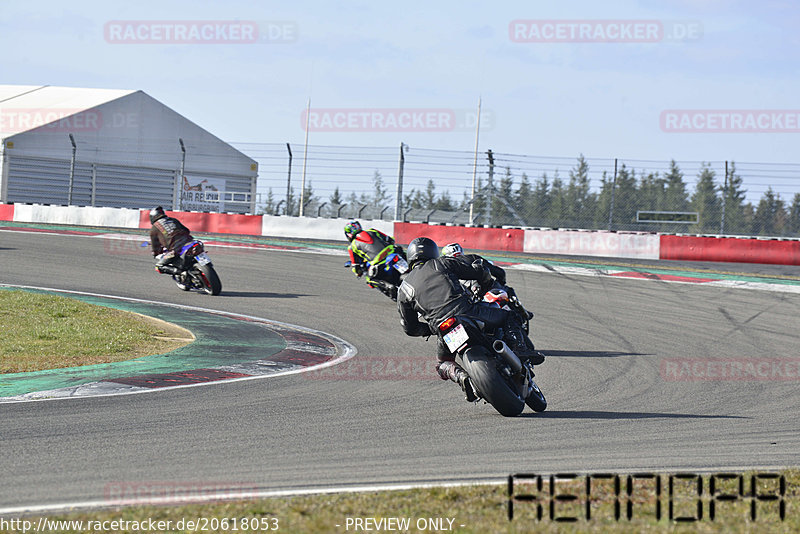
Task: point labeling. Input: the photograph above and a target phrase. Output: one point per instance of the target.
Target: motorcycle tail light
(447, 324)
(196, 249)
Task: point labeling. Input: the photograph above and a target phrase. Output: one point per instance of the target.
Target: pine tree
(540, 203)
(311, 201)
(603, 201)
(579, 201)
(291, 203)
(770, 217)
(556, 208)
(706, 202)
(445, 203)
(335, 201)
(479, 202)
(429, 197)
(734, 195)
(269, 207)
(523, 199)
(675, 196)
(380, 195)
(352, 205)
(793, 223)
(625, 199)
(502, 198)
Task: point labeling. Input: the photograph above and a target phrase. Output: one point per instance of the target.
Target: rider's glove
(358, 269)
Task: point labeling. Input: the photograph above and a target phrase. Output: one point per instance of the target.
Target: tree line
(556, 202)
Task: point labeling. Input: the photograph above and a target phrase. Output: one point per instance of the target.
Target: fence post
(71, 170)
(399, 201)
(182, 174)
(94, 183)
(613, 187)
(490, 188)
(724, 196)
(289, 179)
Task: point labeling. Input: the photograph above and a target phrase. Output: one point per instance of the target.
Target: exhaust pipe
(502, 349)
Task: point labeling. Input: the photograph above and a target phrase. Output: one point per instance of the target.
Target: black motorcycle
(195, 270)
(497, 374)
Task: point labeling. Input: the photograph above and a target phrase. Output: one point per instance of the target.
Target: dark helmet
(422, 249)
(156, 214)
(352, 229)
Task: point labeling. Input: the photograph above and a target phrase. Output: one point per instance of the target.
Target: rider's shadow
(590, 353)
(263, 294)
(607, 415)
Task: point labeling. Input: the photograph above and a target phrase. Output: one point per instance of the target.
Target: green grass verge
(41, 331)
(480, 509)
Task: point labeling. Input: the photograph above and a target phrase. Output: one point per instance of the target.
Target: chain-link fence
(500, 189)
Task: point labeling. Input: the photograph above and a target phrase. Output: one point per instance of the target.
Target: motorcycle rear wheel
(481, 367)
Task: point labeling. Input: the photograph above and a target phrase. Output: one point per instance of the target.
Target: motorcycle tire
(536, 399)
(481, 367)
(210, 280)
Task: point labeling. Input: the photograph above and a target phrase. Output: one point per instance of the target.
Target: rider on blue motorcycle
(369, 250)
(167, 237)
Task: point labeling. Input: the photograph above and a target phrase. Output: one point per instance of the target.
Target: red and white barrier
(316, 228)
(557, 242)
(77, 215)
(6, 212)
(213, 223)
(588, 243)
(730, 249)
(500, 239)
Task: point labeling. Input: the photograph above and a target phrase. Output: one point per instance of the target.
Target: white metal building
(115, 148)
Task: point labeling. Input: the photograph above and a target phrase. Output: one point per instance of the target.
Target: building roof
(24, 107)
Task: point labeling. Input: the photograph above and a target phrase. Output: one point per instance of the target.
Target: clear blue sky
(546, 98)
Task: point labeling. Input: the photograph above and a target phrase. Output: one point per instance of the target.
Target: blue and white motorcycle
(195, 270)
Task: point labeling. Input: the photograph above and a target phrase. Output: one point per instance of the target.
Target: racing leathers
(167, 237)
(368, 251)
(432, 290)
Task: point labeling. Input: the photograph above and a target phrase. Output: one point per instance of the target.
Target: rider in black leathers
(498, 273)
(433, 290)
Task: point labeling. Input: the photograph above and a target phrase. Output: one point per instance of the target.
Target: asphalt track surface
(610, 406)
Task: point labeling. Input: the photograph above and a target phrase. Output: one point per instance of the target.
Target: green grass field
(41, 331)
(480, 509)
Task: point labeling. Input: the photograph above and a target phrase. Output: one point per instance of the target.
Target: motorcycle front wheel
(536, 399)
(209, 279)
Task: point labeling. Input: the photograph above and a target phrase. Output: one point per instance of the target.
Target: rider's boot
(520, 344)
(451, 371)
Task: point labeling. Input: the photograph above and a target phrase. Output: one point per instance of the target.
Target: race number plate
(455, 338)
(401, 265)
(202, 259)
